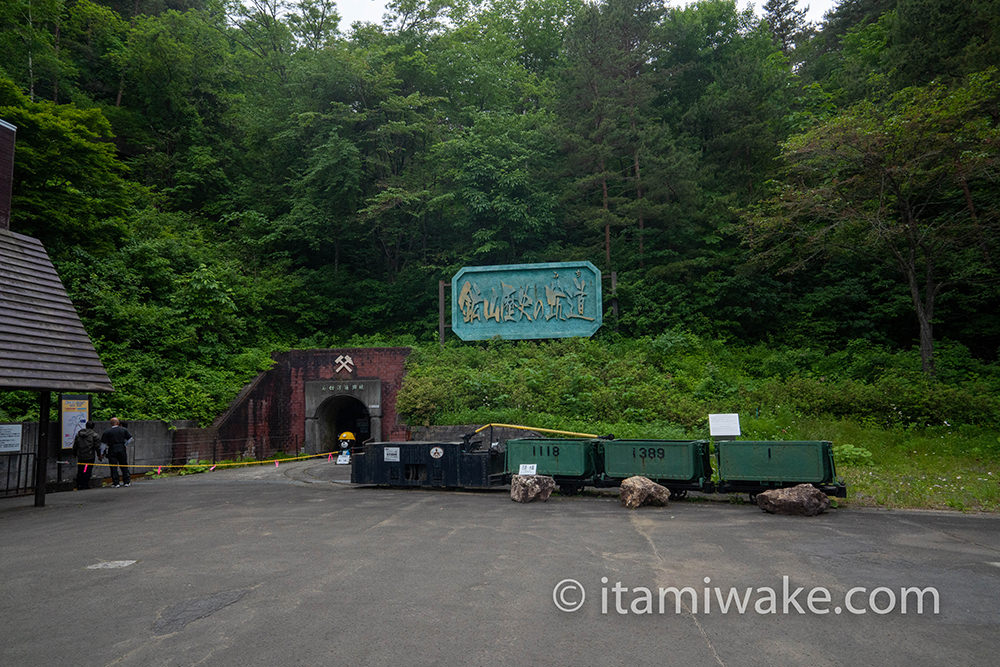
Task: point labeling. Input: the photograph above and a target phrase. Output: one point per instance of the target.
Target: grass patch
(934, 467)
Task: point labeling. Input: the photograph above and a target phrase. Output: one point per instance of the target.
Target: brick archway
(280, 409)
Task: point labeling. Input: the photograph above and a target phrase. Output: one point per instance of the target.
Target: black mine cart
(429, 464)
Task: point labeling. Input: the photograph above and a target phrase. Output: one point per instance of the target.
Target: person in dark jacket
(85, 448)
(115, 438)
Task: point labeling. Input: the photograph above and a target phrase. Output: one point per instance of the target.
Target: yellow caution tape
(205, 465)
(314, 456)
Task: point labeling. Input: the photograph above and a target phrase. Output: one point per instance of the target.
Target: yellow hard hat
(347, 435)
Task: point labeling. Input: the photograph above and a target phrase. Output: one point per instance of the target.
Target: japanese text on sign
(518, 301)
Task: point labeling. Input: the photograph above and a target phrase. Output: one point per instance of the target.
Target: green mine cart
(755, 466)
(573, 463)
(679, 465)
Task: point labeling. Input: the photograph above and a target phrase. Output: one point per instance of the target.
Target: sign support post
(441, 311)
(42, 452)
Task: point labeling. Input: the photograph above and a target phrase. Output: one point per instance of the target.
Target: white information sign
(391, 454)
(343, 459)
(10, 437)
(528, 469)
(727, 425)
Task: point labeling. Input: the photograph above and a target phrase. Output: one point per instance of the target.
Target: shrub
(851, 455)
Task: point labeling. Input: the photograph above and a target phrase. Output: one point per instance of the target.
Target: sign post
(42, 453)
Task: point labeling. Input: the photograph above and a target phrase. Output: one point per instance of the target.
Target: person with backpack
(116, 438)
(85, 448)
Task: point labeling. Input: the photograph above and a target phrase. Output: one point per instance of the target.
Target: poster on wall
(10, 437)
(74, 411)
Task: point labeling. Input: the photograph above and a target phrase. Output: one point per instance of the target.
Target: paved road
(268, 566)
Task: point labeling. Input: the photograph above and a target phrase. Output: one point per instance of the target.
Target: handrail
(532, 428)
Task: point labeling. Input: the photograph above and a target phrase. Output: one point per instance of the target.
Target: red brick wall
(270, 414)
(194, 443)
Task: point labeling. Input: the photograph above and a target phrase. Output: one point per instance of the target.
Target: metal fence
(17, 470)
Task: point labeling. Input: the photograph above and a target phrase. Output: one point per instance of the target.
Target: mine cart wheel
(678, 494)
(570, 489)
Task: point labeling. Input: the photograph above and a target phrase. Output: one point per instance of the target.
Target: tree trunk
(607, 220)
(31, 60)
(638, 196)
(924, 308)
(55, 79)
(963, 181)
(927, 347)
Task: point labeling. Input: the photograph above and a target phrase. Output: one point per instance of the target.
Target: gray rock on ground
(638, 491)
(801, 500)
(528, 488)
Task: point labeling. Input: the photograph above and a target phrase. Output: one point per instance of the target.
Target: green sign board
(518, 301)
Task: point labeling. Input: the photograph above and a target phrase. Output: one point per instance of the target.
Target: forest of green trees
(217, 179)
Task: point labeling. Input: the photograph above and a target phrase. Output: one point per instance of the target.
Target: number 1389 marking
(648, 452)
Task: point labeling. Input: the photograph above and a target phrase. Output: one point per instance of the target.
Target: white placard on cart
(391, 454)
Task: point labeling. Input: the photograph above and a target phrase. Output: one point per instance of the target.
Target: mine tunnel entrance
(343, 413)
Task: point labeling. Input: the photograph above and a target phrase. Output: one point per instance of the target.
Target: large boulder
(528, 488)
(638, 491)
(801, 500)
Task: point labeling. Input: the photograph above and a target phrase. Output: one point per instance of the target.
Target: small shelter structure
(43, 344)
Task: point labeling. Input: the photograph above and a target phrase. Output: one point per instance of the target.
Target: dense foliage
(679, 378)
(218, 179)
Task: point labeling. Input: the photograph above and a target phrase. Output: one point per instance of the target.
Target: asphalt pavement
(295, 566)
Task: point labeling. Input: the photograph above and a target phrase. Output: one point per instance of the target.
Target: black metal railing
(17, 470)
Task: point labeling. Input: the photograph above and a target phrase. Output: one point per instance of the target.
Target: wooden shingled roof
(43, 345)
